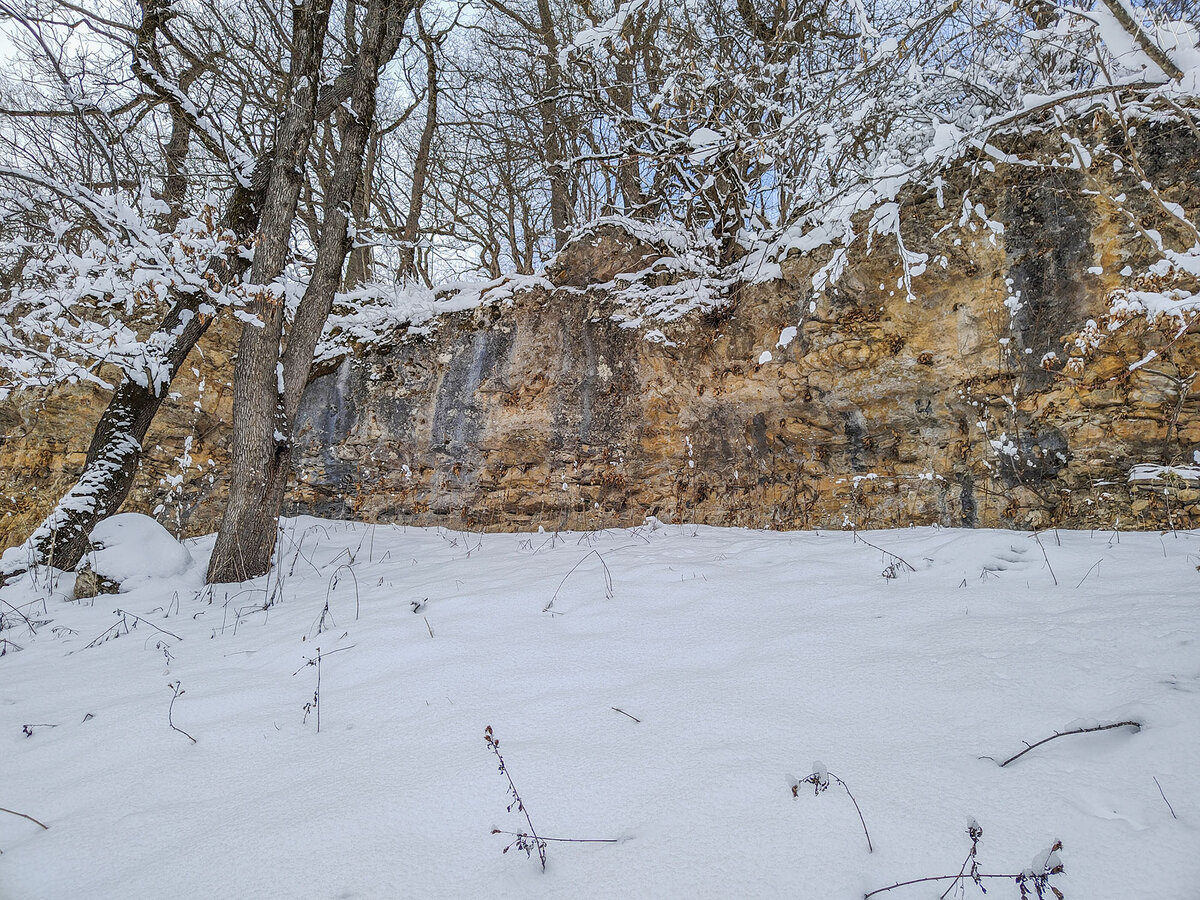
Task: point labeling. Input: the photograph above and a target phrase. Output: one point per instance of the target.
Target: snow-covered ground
(737, 657)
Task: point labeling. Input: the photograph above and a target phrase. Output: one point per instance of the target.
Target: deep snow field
(745, 655)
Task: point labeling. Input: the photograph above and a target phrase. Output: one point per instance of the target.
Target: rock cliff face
(862, 405)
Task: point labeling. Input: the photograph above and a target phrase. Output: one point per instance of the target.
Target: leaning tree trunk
(269, 382)
(116, 448)
(1156, 53)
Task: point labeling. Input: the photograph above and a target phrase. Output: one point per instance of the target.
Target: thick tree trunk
(629, 175)
(360, 268)
(258, 444)
(268, 380)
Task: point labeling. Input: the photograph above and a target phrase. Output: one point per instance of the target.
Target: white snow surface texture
(745, 655)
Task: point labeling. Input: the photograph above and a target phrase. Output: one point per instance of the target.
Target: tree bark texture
(562, 208)
(270, 375)
(416, 197)
(258, 446)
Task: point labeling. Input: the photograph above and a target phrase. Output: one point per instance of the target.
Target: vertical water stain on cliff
(587, 385)
(328, 408)
(327, 415)
(593, 384)
(1049, 248)
(969, 510)
(459, 412)
(856, 439)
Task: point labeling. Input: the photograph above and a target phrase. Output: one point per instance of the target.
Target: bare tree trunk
(258, 446)
(416, 198)
(360, 268)
(561, 207)
(629, 176)
(269, 381)
(175, 152)
(1122, 14)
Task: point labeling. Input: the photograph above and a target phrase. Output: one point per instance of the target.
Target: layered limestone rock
(861, 405)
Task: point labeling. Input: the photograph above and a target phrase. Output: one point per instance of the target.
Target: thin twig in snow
(313, 661)
(899, 559)
(900, 884)
(121, 612)
(521, 834)
(1164, 796)
(13, 812)
(969, 871)
(21, 614)
(1045, 557)
(1088, 572)
(333, 584)
(523, 841)
(174, 686)
(608, 585)
(820, 782)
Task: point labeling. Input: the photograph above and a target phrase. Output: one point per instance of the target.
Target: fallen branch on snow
(1046, 865)
(1136, 726)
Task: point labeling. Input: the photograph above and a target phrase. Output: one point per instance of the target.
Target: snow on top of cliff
(679, 280)
(378, 314)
